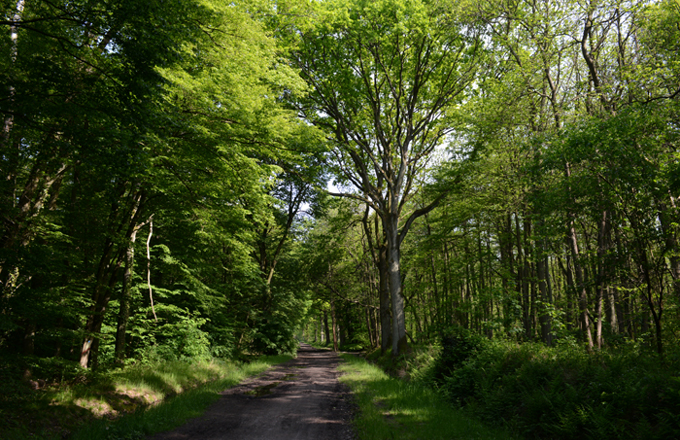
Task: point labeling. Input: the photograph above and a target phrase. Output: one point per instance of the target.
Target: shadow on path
(300, 399)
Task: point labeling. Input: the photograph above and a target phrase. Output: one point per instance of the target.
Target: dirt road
(301, 399)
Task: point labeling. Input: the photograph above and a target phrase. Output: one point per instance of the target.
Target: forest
(493, 183)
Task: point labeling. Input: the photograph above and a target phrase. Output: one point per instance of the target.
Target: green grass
(131, 403)
(392, 408)
(175, 411)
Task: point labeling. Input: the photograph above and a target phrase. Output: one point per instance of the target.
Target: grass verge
(392, 408)
(132, 403)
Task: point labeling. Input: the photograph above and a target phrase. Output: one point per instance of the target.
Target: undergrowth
(561, 392)
(540, 392)
(119, 404)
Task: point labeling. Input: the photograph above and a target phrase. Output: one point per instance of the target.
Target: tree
(82, 94)
(339, 269)
(386, 77)
(115, 114)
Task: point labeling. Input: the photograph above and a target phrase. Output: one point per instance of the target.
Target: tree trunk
(669, 227)
(613, 309)
(109, 264)
(655, 310)
(602, 275)
(369, 327)
(580, 285)
(381, 261)
(334, 321)
(124, 311)
(522, 282)
(99, 317)
(326, 329)
(399, 342)
(447, 290)
(40, 188)
(385, 301)
(507, 271)
(580, 282)
(546, 298)
(100, 298)
(376, 322)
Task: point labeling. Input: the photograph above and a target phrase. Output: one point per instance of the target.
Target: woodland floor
(300, 399)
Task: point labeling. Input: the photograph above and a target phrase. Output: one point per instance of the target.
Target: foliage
(274, 335)
(164, 194)
(562, 392)
(146, 150)
(457, 346)
(386, 79)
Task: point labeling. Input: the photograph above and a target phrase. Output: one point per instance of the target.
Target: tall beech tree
(386, 77)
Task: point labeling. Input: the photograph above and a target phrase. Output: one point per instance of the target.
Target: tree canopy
(193, 178)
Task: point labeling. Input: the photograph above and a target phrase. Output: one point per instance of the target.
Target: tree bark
(110, 262)
(602, 275)
(124, 311)
(334, 321)
(326, 329)
(669, 228)
(148, 268)
(546, 298)
(380, 259)
(399, 341)
(572, 242)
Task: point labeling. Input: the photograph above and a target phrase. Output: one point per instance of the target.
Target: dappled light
(480, 197)
(393, 408)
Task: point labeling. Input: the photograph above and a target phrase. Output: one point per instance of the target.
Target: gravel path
(300, 399)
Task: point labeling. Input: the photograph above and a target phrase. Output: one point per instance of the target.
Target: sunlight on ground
(392, 408)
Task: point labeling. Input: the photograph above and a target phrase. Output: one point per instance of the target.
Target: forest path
(300, 399)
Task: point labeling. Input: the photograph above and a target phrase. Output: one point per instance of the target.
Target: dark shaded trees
(116, 115)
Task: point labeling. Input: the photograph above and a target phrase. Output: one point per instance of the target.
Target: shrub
(457, 345)
(274, 335)
(562, 392)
